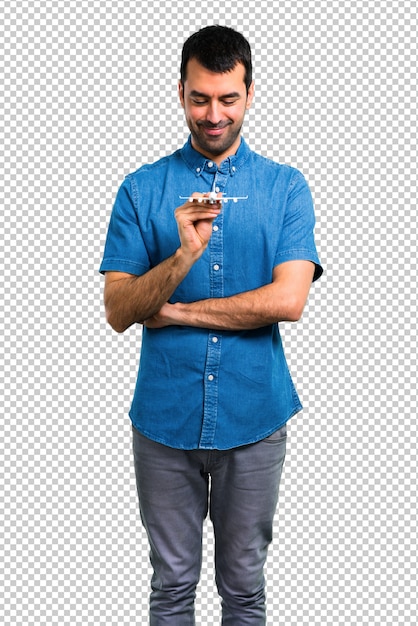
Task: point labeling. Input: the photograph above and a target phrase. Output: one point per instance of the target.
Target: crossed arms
(144, 299)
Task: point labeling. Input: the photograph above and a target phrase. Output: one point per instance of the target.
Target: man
(210, 281)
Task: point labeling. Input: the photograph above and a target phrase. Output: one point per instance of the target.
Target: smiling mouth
(214, 132)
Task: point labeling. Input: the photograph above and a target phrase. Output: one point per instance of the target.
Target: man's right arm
(131, 299)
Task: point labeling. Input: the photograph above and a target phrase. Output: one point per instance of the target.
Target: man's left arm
(281, 300)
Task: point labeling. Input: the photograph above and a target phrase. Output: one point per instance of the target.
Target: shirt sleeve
(297, 237)
(125, 249)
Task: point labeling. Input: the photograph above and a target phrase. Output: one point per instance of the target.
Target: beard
(217, 144)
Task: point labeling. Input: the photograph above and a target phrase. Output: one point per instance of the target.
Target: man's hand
(164, 317)
(129, 298)
(194, 223)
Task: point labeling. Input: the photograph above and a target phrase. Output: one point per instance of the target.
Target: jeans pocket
(279, 435)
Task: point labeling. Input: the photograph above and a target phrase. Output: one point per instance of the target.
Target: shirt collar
(197, 162)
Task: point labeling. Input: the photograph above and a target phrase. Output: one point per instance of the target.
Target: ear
(180, 90)
(250, 95)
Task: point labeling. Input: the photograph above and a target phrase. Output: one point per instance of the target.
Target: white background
(88, 94)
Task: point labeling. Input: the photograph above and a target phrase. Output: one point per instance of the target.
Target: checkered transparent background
(88, 93)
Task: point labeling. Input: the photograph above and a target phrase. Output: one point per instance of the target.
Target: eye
(198, 102)
(229, 102)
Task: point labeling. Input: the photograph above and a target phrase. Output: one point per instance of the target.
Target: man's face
(214, 105)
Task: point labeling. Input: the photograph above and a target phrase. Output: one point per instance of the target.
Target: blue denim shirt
(200, 388)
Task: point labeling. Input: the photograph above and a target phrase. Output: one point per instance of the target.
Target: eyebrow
(199, 94)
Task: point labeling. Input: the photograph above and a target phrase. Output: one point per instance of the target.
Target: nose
(213, 113)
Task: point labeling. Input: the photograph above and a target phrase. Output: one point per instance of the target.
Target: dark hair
(218, 49)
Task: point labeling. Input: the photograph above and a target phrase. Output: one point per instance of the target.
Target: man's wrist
(183, 259)
(177, 314)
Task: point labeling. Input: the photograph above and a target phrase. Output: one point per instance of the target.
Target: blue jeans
(175, 494)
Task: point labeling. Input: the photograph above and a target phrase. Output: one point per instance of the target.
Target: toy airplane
(212, 198)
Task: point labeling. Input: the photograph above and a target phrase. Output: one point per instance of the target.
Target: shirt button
(211, 377)
(215, 228)
(216, 267)
(217, 189)
(198, 169)
(233, 168)
(210, 164)
(215, 339)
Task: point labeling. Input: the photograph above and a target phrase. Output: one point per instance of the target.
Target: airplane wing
(212, 198)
